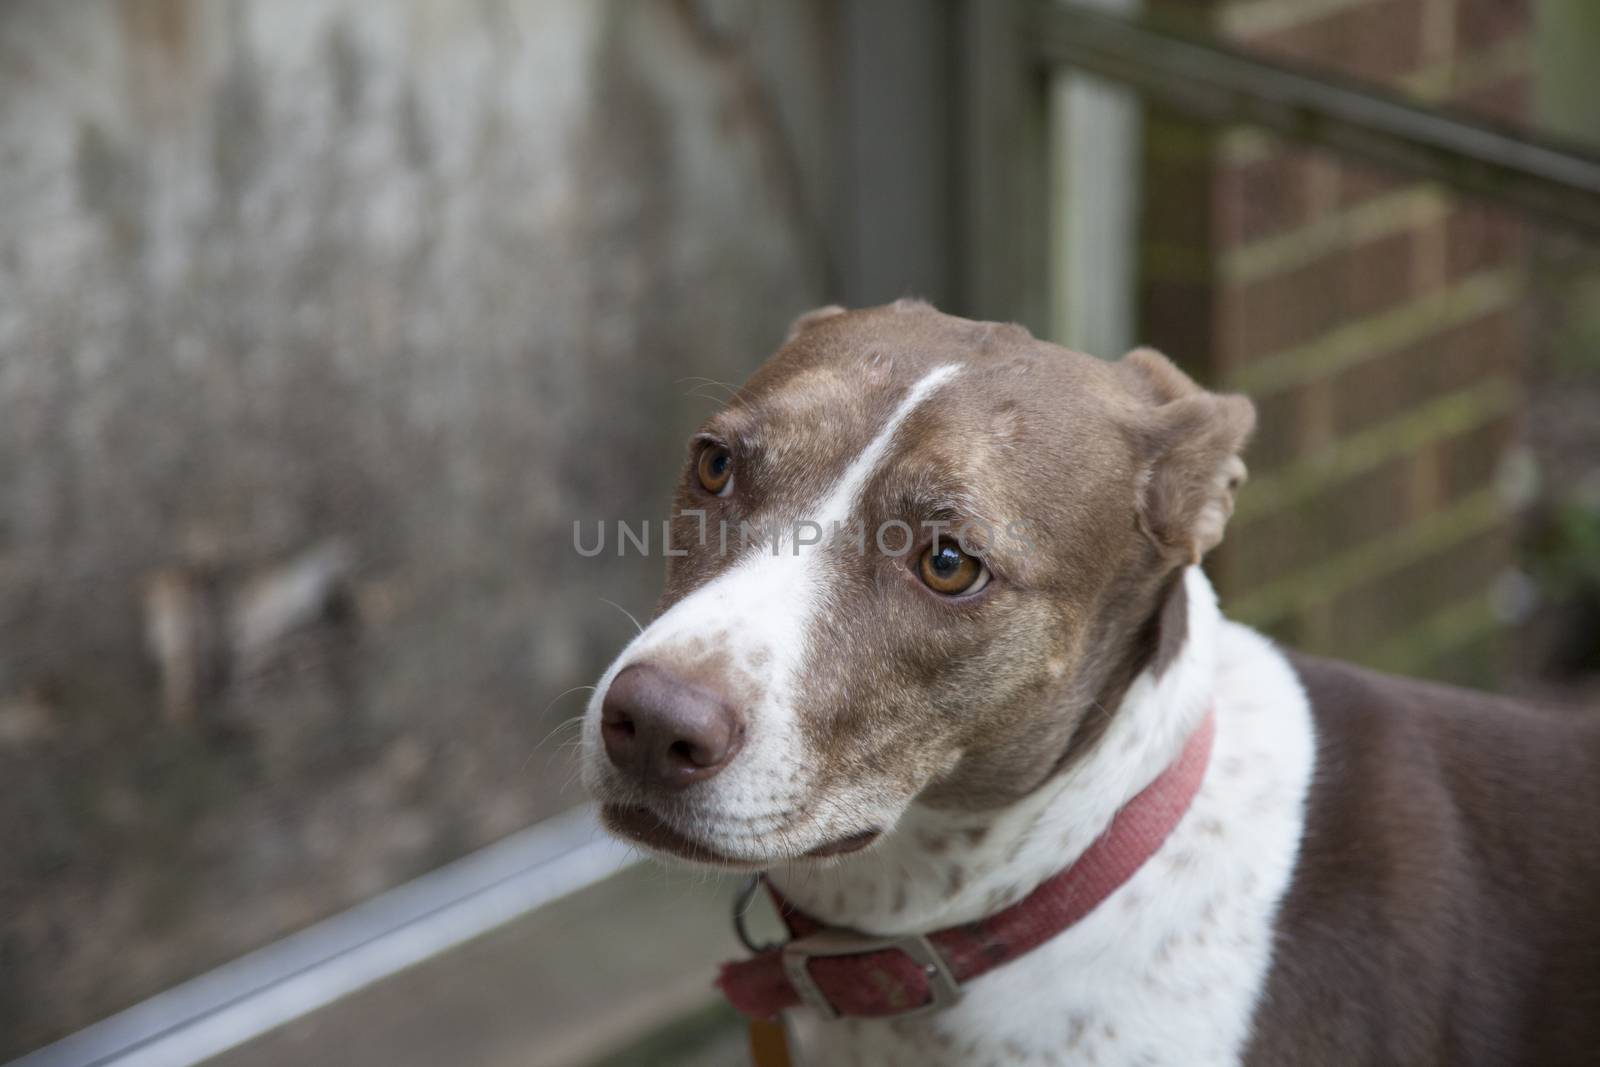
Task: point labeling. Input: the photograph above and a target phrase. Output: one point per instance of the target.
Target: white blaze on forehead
(841, 501)
(766, 571)
(756, 615)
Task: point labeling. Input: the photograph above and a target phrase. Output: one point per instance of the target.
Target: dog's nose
(665, 732)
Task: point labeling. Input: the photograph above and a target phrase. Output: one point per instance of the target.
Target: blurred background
(322, 322)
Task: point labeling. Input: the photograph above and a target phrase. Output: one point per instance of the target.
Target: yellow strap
(769, 1046)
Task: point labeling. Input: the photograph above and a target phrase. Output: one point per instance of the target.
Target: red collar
(843, 973)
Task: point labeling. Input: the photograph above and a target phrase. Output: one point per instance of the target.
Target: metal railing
(1557, 182)
(258, 992)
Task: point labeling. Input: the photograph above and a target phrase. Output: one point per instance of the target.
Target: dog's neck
(938, 868)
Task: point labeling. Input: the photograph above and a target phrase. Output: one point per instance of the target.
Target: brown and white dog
(916, 735)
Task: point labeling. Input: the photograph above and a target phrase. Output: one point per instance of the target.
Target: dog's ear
(1189, 441)
(810, 319)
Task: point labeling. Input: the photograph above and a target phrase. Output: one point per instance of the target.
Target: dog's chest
(1168, 970)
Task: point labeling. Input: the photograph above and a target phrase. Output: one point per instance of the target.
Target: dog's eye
(948, 570)
(715, 469)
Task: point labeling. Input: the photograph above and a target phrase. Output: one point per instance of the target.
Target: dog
(1022, 794)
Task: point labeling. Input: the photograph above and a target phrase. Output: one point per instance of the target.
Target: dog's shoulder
(1475, 753)
(1447, 853)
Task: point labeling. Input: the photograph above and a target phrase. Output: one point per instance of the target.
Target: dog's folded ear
(1189, 442)
(809, 319)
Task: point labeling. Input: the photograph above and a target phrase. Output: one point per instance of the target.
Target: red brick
(1427, 486)
(1472, 461)
(1358, 183)
(1382, 499)
(1337, 520)
(1277, 437)
(1263, 197)
(1385, 40)
(1481, 23)
(1506, 101)
(1379, 274)
(1379, 41)
(1208, 206)
(1362, 618)
(1291, 423)
(1388, 385)
(1479, 237)
(1317, 42)
(1270, 314)
(1281, 311)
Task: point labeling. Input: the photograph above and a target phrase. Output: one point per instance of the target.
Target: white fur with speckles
(756, 616)
(1168, 969)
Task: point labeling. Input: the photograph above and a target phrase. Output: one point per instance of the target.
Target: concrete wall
(420, 282)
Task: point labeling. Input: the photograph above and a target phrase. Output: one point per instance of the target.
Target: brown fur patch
(1443, 909)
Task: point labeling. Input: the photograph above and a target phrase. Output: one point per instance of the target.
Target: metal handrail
(380, 937)
(1556, 181)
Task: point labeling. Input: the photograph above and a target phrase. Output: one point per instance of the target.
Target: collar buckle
(796, 955)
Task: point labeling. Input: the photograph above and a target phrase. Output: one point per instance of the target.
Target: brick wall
(1378, 324)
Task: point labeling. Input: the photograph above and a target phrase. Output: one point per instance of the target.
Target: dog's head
(916, 558)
